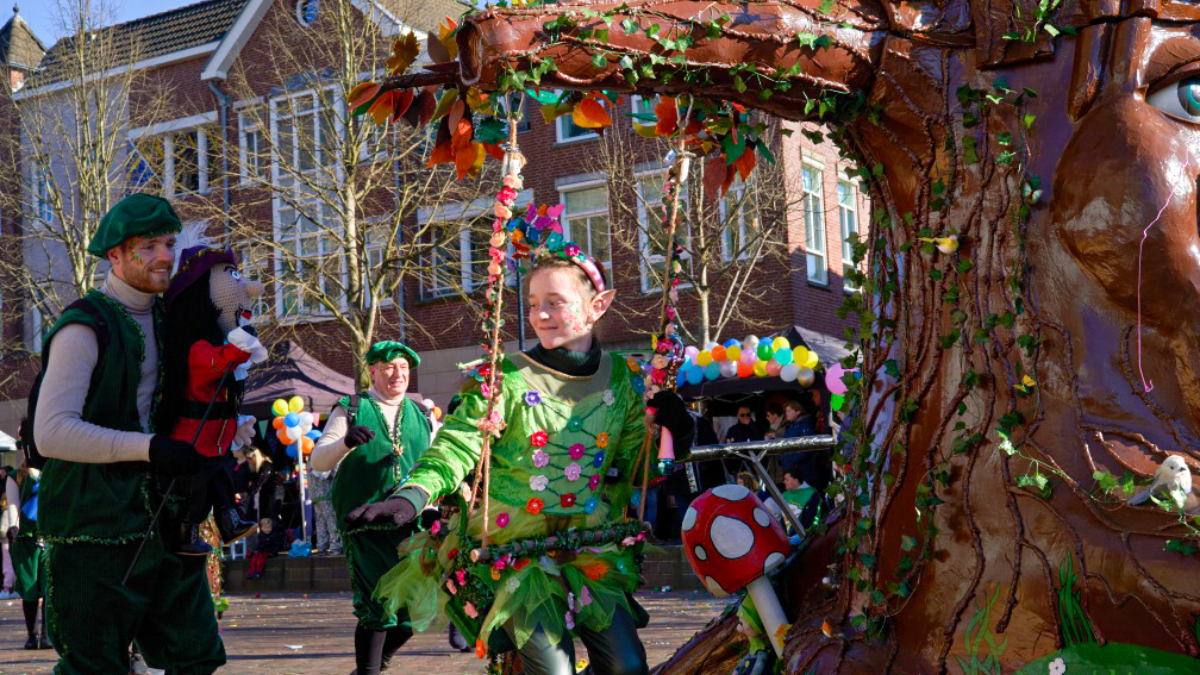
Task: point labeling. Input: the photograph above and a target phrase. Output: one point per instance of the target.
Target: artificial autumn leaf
(383, 106)
(404, 51)
(443, 151)
(424, 107)
(553, 111)
(463, 133)
(445, 103)
(645, 130)
(404, 101)
(714, 176)
(590, 114)
(362, 95)
(457, 112)
(446, 36)
(495, 151)
(745, 164)
(667, 116)
(468, 160)
(477, 100)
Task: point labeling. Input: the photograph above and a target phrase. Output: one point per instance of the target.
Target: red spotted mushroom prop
(732, 542)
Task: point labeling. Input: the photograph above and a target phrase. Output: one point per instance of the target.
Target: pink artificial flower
(485, 390)
(461, 576)
(571, 250)
(539, 438)
(470, 610)
(540, 459)
(435, 528)
(594, 482)
(538, 483)
(502, 211)
(511, 181)
(576, 451)
(570, 619)
(502, 522)
(573, 471)
(507, 194)
(450, 586)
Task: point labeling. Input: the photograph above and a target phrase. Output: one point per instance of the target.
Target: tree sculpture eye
(1179, 99)
(235, 275)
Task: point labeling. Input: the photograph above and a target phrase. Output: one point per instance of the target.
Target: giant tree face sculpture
(1006, 382)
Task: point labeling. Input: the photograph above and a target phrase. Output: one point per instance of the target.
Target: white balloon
(805, 377)
(306, 419)
(751, 342)
(789, 373)
(728, 368)
(294, 433)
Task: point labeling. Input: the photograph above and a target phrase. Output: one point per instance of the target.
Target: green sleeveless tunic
(26, 554)
(102, 503)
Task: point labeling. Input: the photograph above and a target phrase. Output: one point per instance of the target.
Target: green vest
(101, 503)
(370, 472)
(28, 527)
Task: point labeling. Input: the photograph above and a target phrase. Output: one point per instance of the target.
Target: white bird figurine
(1172, 477)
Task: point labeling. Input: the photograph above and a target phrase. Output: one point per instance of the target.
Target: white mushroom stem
(769, 610)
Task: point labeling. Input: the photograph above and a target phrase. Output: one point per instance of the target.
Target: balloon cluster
(294, 426)
(749, 358)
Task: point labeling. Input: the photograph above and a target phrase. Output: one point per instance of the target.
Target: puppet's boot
(232, 527)
(190, 541)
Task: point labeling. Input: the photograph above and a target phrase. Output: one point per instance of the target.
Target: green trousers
(371, 554)
(27, 564)
(165, 609)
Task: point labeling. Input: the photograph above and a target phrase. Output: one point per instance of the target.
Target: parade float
(1027, 325)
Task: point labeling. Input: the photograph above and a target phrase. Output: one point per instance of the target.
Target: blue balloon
(293, 451)
(695, 375)
(712, 371)
(314, 434)
(783, 356)
(681, 377)
(291, 419)
(731, 342)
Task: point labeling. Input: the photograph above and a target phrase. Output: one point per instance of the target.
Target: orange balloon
(306, 445)
(745, 370)
(278, 423)
(718, 353)
(283, 437)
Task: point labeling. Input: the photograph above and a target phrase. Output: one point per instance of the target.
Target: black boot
(232, 527)
(396, 637)
(368, 650)
(190, 541)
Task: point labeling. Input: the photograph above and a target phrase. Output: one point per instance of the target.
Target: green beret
(138, 215)
(388, 350)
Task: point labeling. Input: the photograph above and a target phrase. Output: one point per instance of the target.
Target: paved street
(296, 634)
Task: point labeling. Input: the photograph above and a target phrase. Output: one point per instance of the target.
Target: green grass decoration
(978, 631)
(1074, 625)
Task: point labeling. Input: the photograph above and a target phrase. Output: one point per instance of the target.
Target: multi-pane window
(305, 133)
(375, 237)
(40, 181)
(254, 263)
(814, 224)
(585, 221)
(457, 258)
(652, 232)
(848, 215)
(146, 165)
(308, 261)
(187, 150)
(737, 231)
(253, 146)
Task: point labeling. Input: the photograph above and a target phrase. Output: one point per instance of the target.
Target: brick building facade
(191, 53)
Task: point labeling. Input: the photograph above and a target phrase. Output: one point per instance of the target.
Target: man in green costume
(21, 489)
(106, 468)
(372, 440)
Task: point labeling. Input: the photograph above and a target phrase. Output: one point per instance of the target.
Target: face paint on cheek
(575, 318)
(137, 257)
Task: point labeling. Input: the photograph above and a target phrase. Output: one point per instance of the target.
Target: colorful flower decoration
(598, 460)
(520, 564)
(585, 597)
(633, 365)
(532, 398)
(638, 385)
(540, 459)
(594, 481)
(480, 648)
(574, 424)
(567, 500)
(493, 424)
(538, 483)
(535, 505)
(539, 438)
(570, 619)
(573, 471)
(502, 520)
(571, 250)
(602, 440)
(485, 390)
(461, 575)
(609, 397)
(589, 507)
(576, 451)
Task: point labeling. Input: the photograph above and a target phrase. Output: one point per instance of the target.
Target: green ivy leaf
(1181, 547)
(629, 26)
(907, 543)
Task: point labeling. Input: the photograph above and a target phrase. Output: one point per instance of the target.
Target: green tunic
(563, 434)
(27, 552)
(370, 473)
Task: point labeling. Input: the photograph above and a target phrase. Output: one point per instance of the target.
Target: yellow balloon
(780, 343)
(811, 360)
(760, 368)
(279, 407)
(704, 358)
(296, 404)
(799, 354)
(733, 353)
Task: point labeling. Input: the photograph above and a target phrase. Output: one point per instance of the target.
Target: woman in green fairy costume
(562, 561)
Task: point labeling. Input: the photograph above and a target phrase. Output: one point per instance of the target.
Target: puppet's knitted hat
(193, 263)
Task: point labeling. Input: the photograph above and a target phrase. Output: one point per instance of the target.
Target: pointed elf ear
(602, 302)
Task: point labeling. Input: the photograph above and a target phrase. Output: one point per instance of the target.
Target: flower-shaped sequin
(502, 520)
(574, 424)
(594, 482)
(535, 506)
(632, 364)
(598, 460)
(589, 507)
(573, 471)
(538, 438)
(576, 451)
(538, 483)
(571, 250)
(540, 459)
(532, 398)
(567, 500)
(602, 440)
(609, 397)
(638, 385)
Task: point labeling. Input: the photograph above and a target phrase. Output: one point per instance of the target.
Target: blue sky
(42, 15)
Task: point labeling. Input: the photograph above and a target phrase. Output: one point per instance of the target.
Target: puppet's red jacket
(206, 364)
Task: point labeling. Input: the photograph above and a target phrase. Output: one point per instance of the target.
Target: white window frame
(743, 250)
(645, 260)
(373, 247)
(566, 219)
(40, 186)
(852, 210)
(461, 214)
(815, 252)
(169, 186)
(560, 130)
(247, 126)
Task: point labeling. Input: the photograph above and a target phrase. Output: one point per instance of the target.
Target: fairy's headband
(539, 233)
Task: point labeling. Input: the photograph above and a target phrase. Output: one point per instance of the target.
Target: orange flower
(602, 440)
(534, 506)
(480, 649)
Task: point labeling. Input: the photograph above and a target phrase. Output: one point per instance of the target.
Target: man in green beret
(107, 468)
(372, 440)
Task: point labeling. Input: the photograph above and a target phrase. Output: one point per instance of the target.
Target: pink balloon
(749, 357)
(833, 379)
(773, 368)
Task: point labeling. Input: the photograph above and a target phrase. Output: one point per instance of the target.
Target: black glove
(12, 533)
(357, 435)
(175, 458)
(672, 414)
(401, 508)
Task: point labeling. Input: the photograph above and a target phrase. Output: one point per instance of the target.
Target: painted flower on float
(538, 483)
(539, 438)
(573, 471)
(540, 459)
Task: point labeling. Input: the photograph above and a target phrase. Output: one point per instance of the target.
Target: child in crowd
(565, 459)
(272, 541)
